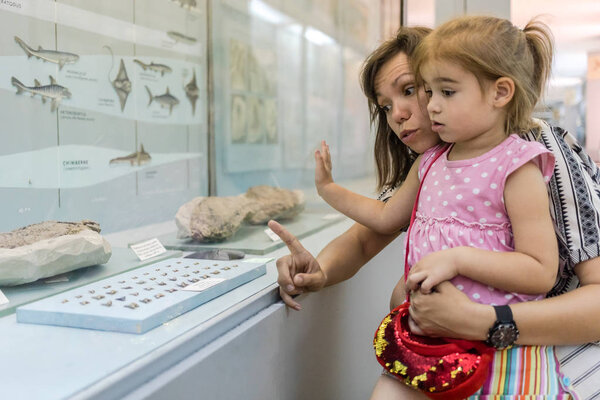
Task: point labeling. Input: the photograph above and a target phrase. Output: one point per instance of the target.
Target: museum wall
(122, 110)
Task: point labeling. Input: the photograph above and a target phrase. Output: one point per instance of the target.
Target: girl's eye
(386, 109)
(409, 91)
(447, 92)
(428, 92)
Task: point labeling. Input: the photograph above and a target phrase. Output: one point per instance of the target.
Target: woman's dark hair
(392, 157)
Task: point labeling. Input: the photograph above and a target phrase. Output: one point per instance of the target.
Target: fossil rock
(211, 219)
(50, 248)
(267, 202)
(44, 230)
(217, 218)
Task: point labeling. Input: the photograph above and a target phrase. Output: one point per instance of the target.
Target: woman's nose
(400, 114)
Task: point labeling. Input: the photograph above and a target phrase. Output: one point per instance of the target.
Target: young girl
(482, 217)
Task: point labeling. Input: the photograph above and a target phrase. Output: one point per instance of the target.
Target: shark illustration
(162, 68)
(191, 91)
(58, 57)
(180, 37)
(53, 91)
(139, 158)
(121, 83)
(165, 100)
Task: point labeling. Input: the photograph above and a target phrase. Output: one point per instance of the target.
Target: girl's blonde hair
(491, 48)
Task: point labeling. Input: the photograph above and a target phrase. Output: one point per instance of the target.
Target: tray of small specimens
(141, 299)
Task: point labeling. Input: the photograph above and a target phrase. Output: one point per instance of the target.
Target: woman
(401, 121)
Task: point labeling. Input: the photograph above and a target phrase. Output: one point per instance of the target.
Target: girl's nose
(433, 106)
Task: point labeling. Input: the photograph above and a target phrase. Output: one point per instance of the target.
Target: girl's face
(459, 109)
(406, 112)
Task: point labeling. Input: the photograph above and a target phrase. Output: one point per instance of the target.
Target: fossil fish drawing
(162, 68)
(180, 37)
(191, 91)
(121, 83)
(53, 91)
(58, 57)
(186, 3)
(165, 100)
(138, 157)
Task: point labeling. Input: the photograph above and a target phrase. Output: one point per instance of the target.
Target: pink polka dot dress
(462, 204)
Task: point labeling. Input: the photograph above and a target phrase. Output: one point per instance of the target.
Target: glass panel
(286, 77)
(103, 110)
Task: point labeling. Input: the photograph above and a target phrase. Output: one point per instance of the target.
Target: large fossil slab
(50, 248)
(211, 219)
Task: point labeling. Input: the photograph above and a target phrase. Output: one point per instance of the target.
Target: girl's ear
(504, 90)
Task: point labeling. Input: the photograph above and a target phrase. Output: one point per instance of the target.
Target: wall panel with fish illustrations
(104, 110)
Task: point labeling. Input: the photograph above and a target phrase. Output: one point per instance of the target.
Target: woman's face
(406, 112)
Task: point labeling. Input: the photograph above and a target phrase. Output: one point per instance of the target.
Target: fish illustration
(162, 68)
(138, 157)
(121, 83)
(53, 91)
(165, 100)
(180, 37)
(58, 57)
(192, 92)
(186, 3)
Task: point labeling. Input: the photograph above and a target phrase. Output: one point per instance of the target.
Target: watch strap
(504, 314)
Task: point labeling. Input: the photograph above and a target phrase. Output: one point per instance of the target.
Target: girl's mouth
(436, 126)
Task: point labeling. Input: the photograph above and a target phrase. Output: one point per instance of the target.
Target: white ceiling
(575, 25)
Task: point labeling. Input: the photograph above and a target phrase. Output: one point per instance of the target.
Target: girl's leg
(389, 388)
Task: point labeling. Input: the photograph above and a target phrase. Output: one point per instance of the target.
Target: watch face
(504, 335)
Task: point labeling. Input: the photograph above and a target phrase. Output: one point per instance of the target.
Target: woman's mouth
(407, 134)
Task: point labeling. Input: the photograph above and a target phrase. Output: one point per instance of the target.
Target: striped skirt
(524, 373)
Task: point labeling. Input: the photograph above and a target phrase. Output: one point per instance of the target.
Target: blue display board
(144, 298)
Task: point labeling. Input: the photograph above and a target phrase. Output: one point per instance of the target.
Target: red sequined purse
(442, 368)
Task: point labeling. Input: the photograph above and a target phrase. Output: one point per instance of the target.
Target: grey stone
(217, 218)
(50, 248)
(267, 202)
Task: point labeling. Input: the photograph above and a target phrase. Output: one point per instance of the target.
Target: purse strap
(414, 210)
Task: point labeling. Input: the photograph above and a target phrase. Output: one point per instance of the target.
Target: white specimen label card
(3, 299)
(272, 235)
(258, 260)
(203, 285)
(148, 249)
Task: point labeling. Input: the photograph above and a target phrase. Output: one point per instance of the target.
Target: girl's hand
(322, 167)
(433, 269)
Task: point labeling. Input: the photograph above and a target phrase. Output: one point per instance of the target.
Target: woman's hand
(298, 271)
(448, 312)
(323, 167)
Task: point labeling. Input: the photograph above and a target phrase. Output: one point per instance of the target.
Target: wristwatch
(504, 332)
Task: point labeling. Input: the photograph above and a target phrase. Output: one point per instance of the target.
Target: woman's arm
(300, 272)
(530, 269)
(570, 318)
(381, 217)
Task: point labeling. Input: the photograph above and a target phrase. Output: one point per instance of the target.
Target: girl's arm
(530, 269)
(385, 218)
(565, 319)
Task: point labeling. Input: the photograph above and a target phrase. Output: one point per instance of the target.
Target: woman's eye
(409, 91)
(386, 109)
(447, 92)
